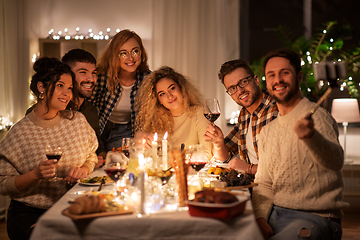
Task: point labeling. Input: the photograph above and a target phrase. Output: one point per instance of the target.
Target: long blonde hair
(109, 62)
(152, 116)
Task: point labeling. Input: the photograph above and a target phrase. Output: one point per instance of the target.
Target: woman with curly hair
(121, 69)
(168, 102)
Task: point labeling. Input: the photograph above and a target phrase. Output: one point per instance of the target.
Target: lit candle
(164, 151)
(154, 150)
(141, 169)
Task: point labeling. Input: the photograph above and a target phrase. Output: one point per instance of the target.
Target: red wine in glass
(212, 109)
(53, 153)
(197, 166)
(212, 117)
(115, 173)
(53, 156)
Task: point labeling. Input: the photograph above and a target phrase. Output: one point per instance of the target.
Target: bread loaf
(87, 204)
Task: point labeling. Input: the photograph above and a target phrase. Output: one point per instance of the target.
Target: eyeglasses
(124, 55)
(241, 83)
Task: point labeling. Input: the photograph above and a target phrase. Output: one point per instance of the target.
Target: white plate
(94, 184)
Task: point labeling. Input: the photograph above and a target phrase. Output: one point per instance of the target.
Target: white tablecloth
(170, 225)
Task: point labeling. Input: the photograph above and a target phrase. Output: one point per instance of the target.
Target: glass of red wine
(197, 157)
(212, 109)
(115, 165)
(53, 153)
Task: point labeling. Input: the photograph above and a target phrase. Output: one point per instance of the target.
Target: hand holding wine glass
(53, 153)
(212, 109)
(116, 165)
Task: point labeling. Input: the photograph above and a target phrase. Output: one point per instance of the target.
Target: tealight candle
(164, 152)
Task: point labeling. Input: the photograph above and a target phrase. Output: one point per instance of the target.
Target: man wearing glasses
(258, 109)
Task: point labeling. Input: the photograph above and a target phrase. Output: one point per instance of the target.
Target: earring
(41, 95)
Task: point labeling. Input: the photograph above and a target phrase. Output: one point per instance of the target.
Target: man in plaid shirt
(258, 109)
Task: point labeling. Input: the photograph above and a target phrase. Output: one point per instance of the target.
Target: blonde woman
(121, 69)
(168, 102)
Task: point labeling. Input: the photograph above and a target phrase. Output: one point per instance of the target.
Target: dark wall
(259, 18)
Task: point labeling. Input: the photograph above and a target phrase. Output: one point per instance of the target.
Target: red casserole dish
(224, 211)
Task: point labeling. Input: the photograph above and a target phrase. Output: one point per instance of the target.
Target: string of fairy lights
(79, 36)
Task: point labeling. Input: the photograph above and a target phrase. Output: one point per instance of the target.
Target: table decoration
(154, 146)
(181, 168)
(141, 171)
(164, 152)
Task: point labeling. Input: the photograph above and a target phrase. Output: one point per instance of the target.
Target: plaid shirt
(264, 114)
(105, 102)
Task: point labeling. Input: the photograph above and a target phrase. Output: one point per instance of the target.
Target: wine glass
(212, 109)
(125, 146)
(115, 165)
(53, 153)
(197, 157)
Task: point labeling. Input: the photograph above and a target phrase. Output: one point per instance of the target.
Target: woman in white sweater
(24, 168)
(168, 102)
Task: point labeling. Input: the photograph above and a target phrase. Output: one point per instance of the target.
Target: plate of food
(219, 205)
(94, 206)
(95, 181)
(215, 171)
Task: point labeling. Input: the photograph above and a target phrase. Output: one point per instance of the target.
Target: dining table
(163, 225)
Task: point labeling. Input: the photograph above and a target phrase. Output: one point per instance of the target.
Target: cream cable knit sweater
(297, 174)
(24, 147)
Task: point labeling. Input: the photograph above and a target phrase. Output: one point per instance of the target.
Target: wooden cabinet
(57, 48)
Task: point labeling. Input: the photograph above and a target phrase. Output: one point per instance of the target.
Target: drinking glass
(53, 153)
(125, 146)
(197, 157)
(212, 109)
(115, 165)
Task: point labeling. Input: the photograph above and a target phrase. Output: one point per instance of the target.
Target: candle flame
(141, 159)
(155, 137)
(165, 136)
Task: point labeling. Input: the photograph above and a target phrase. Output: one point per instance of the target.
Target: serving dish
(94, 215)
(94, 184)
(224, 211)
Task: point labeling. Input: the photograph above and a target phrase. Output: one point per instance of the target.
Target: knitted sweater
(190, 131)
(297, 174)
(23, 148)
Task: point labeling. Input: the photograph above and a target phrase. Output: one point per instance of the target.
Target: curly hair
(109, 61)
(152, 116)
(49, 71)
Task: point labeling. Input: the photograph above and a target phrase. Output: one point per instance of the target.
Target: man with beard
(83, 64)
(299, 192)
(258, 109)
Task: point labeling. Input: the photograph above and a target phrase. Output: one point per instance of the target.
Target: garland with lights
(77, 36)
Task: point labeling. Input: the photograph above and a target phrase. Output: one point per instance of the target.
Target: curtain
(195, 38)
(14, 61)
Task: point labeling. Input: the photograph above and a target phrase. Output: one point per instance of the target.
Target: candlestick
(154, 150)
(164, 151)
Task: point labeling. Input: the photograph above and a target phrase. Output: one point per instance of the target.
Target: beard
(255, 95)
(293, 90)
(85, 93)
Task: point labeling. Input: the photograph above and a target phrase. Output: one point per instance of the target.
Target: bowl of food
(218, 205)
